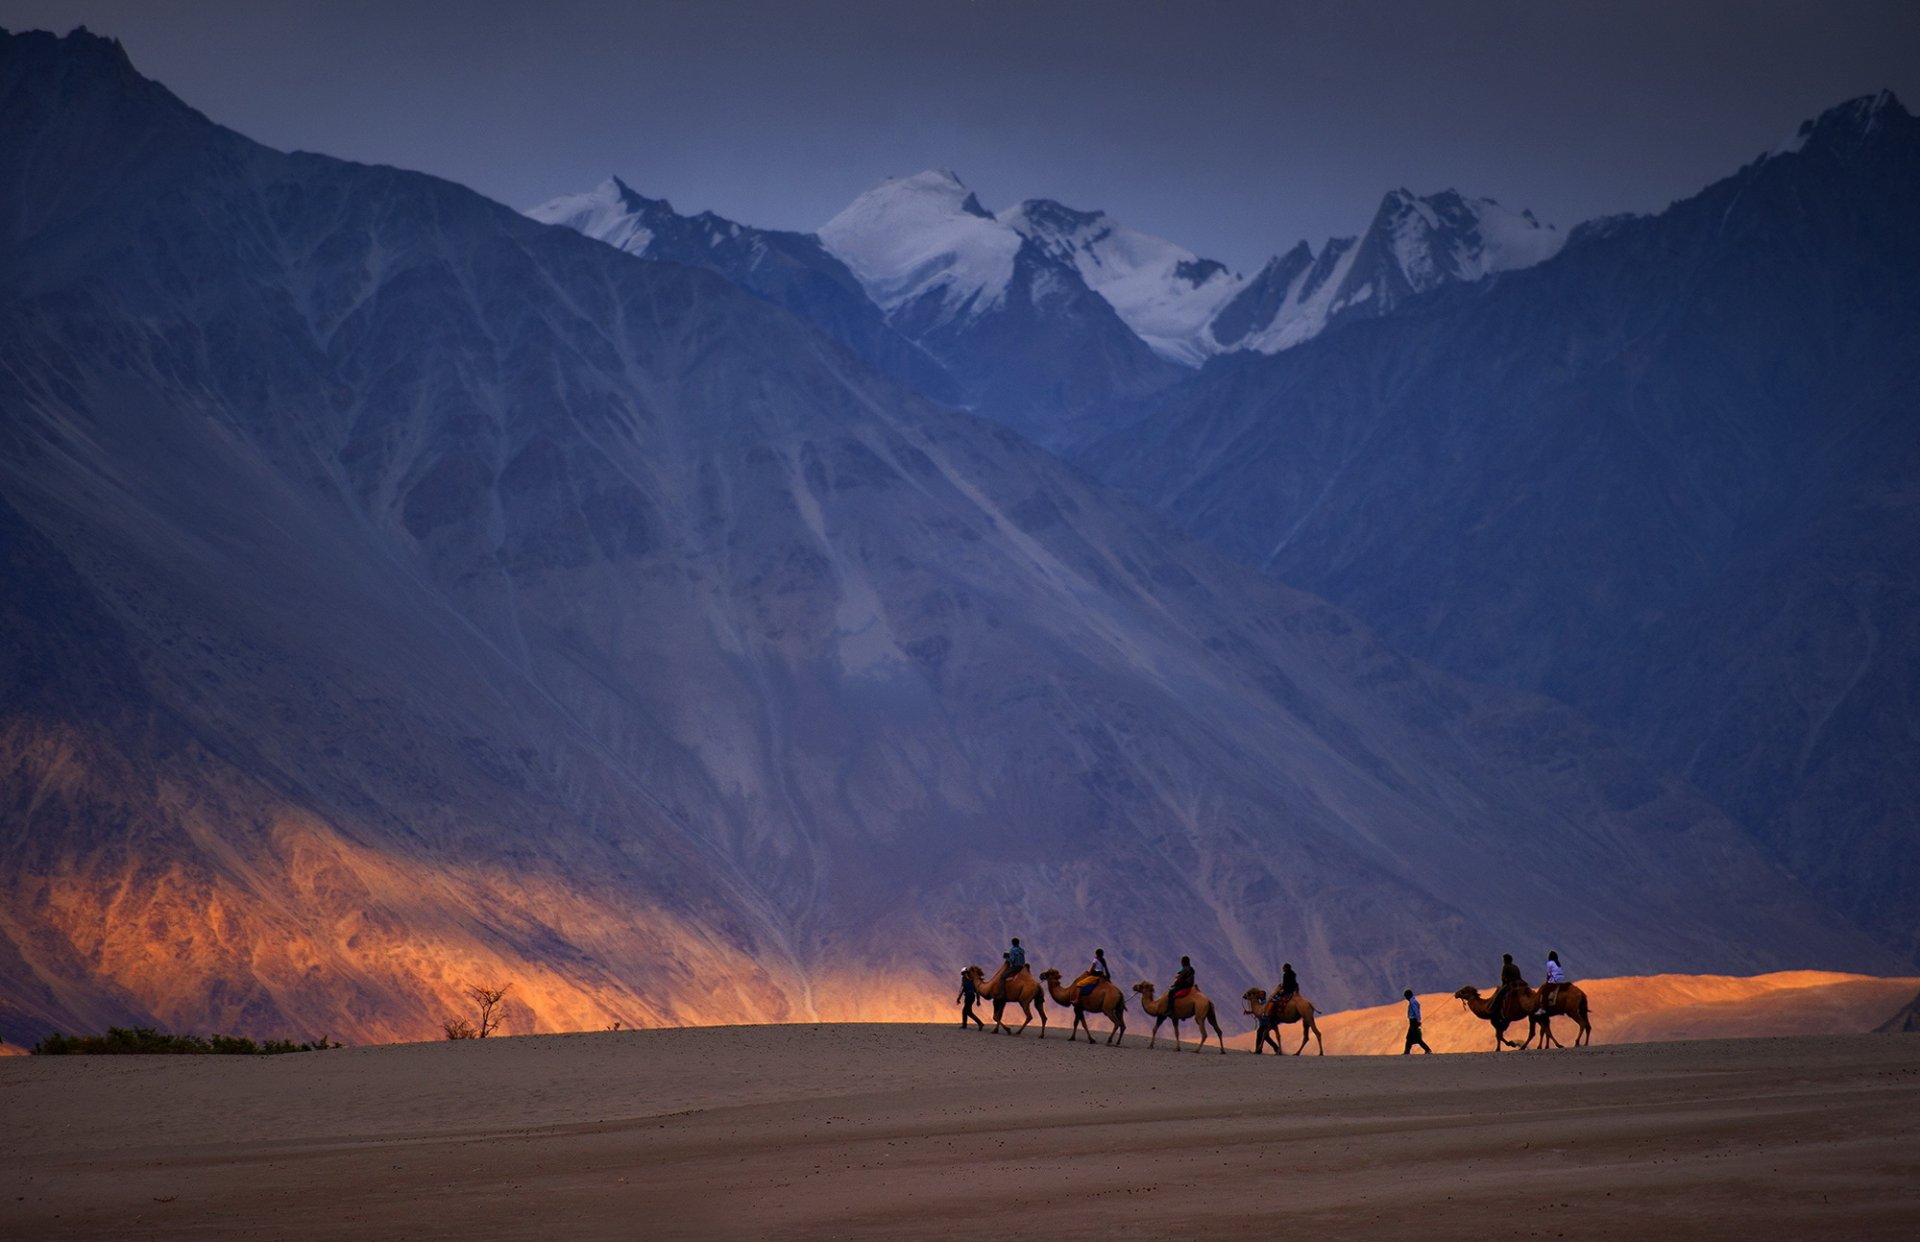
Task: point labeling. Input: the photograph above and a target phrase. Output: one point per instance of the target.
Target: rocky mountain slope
(1667, 476)
(788, 269)
(400, 592)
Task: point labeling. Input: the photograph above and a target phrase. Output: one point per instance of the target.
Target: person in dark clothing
(968, 995)
(1509, 980)
(1181, 982)
(1289, 986)
(1016, 959)
(1414, 1038)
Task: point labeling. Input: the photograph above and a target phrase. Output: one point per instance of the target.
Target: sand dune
(897, 1131)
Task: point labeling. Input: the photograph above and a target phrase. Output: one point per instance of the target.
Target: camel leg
(1040, 1003)
(1119, 1032)
(1026, 1011)
(1219, 1036)
(1305, 1027)
(1155, 1037)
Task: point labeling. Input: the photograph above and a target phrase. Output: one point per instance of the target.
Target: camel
(1568, 1002)
(1104, 998)
(1193, 1005)
(1022, 990)
(1520, 1003)
(1297, 1009)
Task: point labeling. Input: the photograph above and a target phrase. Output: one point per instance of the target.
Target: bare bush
(488, 1000)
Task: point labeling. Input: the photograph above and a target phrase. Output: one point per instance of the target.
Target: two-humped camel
(1103, 998)
(1270, 1014)
(1194, 1005)
(1022, 990)
(1568, 1001)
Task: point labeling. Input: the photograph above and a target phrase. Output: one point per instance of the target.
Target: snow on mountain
(610, 211)
(927, 233)
(1164, 292)
(1415, 244)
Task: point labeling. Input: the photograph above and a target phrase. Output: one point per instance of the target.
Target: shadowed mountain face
(788, 269)
(400, 592)
(1667, 476)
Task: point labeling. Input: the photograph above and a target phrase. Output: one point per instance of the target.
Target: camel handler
(968, 996)
(1182, 983)
(1556, 979)
(1414, 1038)
(1095, 974)
(1509, 980)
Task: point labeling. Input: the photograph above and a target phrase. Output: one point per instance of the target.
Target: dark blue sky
(1233, 128)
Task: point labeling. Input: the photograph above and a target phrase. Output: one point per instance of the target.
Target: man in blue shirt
(1016, 959)
(1414, 1038)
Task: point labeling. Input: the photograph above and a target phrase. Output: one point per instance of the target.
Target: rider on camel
(1095, 974)
(1182, 983)
(1509, 980)
(1288, 989)
(1016, 959)
(1556, 979)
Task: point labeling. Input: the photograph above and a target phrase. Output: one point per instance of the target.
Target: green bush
(144, 1039)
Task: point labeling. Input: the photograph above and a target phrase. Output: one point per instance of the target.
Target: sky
(1232, 128)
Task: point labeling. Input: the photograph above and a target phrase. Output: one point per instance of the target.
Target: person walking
(1414, 1038)
(968, 995)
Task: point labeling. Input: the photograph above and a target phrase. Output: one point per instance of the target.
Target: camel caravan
(1093, 991)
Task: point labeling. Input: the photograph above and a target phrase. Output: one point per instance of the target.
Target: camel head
(975, 973)
(1144, 988)
(1051, 976)
(1254, 998)
(1467, 994)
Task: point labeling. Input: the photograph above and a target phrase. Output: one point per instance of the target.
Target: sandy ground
(1638, 1009)
(918, 1131)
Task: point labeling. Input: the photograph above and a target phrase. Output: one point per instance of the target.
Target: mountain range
(402, 592)
(1044, 317)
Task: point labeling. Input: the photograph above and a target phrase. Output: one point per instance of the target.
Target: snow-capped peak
(1447, 237)
(1164, 292)
(913, 236)
(611, 212)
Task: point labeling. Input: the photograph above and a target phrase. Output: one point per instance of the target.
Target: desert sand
(1642, 1009)
(889, 1131)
